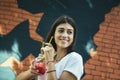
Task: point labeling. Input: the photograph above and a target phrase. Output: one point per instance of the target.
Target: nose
(65, 34)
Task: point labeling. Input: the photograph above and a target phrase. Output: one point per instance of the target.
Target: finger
(48, 44)
(45, 49)
(34, 72)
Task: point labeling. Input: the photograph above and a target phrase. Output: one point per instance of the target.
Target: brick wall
(10, 17)
(105, 65)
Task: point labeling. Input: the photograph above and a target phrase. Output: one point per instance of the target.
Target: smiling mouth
(64, 41)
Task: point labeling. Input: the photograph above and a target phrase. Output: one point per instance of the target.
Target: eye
(69, 32)
(60, 30)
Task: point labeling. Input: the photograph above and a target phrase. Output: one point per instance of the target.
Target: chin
(63, 46)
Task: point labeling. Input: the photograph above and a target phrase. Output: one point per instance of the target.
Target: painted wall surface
(25, 23)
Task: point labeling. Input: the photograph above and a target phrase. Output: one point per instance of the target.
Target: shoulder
(75, 56)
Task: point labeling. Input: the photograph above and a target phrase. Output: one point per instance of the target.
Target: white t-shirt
(73, 63)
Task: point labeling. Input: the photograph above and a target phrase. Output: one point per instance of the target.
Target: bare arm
(67, 76)
(51, 72)
(26, 75)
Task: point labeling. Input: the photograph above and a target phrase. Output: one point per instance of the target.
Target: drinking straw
(51, 39)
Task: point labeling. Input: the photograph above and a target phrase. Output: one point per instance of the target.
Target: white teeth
(64, 40)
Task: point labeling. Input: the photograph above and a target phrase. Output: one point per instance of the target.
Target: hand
(38, 67)
(48, 51)
(33, 70)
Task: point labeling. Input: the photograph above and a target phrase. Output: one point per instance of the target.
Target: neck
(60, 54)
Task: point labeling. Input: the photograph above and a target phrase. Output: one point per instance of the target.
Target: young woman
(63, 63)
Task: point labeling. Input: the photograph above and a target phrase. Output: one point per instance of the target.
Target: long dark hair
(60, 20)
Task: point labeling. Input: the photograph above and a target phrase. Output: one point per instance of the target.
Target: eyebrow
(63, 28)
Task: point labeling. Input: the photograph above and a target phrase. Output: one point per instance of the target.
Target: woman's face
(64, 35)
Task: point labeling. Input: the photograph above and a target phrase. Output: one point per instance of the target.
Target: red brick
(87, 71)
(88, 77)
(116, 47)
(99, 78)
(96, 73)
(117, 71)
(107, 50)
(95, 62)
(105, 59)
(119, 62)
(95, 57)
(103, 54)
(98, 37)
(115, 51)
(115, 76)
(99, 43)
(117, 56)
(117, 9)
(113, 60)
(104, 69)
(114, 66)
(99, 49)
(89, 66)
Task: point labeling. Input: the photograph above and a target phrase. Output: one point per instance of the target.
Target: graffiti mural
(24, 25)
